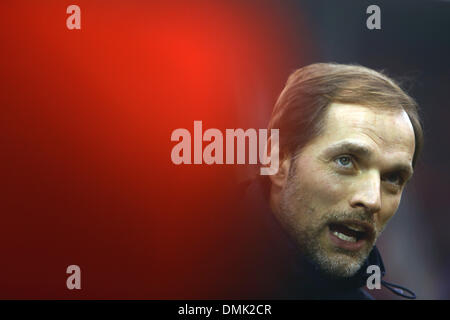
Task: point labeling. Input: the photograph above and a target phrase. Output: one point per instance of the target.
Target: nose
(368, 193)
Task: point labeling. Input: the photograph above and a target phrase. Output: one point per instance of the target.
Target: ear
(279, 162)
(279, 179)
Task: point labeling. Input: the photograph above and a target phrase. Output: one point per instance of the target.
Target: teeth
(358, 229)
(344, 237)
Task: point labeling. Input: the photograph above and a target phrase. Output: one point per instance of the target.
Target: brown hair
(301, 106)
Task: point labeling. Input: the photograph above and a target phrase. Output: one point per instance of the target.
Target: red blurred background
(85, 126)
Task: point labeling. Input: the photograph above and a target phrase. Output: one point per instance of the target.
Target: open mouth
(351, 235)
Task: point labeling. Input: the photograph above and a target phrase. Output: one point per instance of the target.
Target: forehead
(388, 131)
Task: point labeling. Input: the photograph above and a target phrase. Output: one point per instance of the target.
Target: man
(349, 140)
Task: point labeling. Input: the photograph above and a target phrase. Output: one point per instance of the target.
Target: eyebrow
(407, 170)
(364, 151)
(347, 146)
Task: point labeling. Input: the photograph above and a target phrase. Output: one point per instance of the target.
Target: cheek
(389, 207)
(322, 186)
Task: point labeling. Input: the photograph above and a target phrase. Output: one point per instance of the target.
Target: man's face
(346, 184)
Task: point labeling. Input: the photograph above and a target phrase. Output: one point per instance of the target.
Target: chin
(338, 265)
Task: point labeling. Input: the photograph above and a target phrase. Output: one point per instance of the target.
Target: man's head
(349, 139)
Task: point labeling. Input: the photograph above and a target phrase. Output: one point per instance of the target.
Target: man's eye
(344, 161)
(394, 178)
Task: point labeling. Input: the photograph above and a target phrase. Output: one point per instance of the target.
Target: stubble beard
(311, 233)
